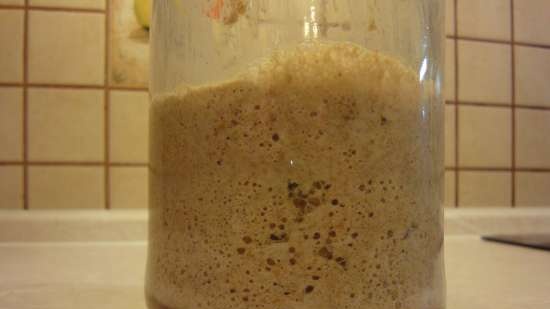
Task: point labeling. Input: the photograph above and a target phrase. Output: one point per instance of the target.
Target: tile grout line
(66, 9)
(73, 86)
(457, 152)
(533, 45)
(61, 86)
(106, 112)
(12, 7)
(498, 169)
(25, 106)
(513, 94)
(497, 41)
(145, 164)
(73, 163)
(535, 107)
(480, 104)
(497, 105)
(127, 88)
(481, 40)
(145, 89)
(50, 8)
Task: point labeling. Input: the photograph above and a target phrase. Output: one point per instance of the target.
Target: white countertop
(110, 274)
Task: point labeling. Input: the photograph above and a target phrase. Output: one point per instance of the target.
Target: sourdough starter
(304, 183)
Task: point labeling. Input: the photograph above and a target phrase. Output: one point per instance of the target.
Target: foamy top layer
(318, 64)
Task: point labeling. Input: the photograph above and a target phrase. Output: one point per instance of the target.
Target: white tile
(485, 189)
(450, 189)
(11, 42)
(80, 4)
(450, 140)
(11, 124)
(532, 21)
(533, 138)
(484, 72)
(485, 136)
(129, 187)
(450, 71)
(66, 187)
(12, 2)
(74, 55)
(487, 19)
(532, 76)
(11, 187)
(533, 189)
(66, 125)
(449, 17)
(129, 121)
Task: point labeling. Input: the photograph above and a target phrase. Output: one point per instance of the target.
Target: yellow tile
(450, 140)
(450, 189)
(484, 136)
(487, 19)
(88, 4)
(532, 189)
(532, 138)
(66, 187)
(532, 76)
(66, 47)
(11, 42)
(484, 72)
(11, 124)
(532, 21)
(11, 187)
(129, 126)
(66, 125)
(485, 189)
(449, 17)
(129, 187)
(450, 90)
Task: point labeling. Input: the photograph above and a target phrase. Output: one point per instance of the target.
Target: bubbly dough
(304, 183)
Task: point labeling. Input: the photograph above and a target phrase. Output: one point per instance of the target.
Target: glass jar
(296, 155)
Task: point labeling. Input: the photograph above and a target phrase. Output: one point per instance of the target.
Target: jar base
(153, 303)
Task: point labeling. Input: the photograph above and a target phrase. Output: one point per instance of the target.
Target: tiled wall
(498, 103)
(73, 118)
(70, 136)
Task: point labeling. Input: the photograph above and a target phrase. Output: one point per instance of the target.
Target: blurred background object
(142, 9)
(74, 103)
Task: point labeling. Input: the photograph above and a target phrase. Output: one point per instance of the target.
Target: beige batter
(305, 183)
